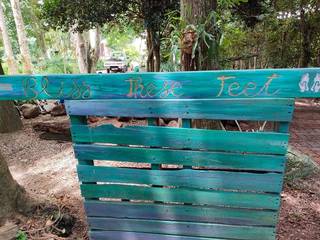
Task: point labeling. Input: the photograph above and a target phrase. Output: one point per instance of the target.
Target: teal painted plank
(186, 123)
(268, 182)
(81, 120)
(181, 157)
(153, 122)
(266, 83)
(121, 235)
(224, 109)
(183, 228)
(187, 213)
(261, 142)
(183, 195)
(284, 127)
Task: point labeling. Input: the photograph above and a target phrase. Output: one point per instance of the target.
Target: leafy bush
(57, 64)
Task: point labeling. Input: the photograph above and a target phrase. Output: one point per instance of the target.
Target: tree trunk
(150, 59)
(81, 50)
(13, 197)
(9, 118)
(12, 65)
(306, 38)
(22, 36)
(38, 28)
(195, 12)
(94, 49)
(88, 50)
(153, 47)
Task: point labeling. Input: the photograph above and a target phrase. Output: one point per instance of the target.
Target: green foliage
(82, 15)
(274, 36)
(57, 65)
(120, 38)
(21, 235)
(230, 3)
(207, 32)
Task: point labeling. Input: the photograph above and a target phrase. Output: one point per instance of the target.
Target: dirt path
(305, 129)
(47, 169)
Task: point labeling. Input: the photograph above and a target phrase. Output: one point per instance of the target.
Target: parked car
(117, 62)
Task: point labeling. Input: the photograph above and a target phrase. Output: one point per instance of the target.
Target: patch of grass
(299, 167)
(21, 235)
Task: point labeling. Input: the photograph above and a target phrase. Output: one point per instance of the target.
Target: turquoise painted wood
(214, 160)
(182, 195)
(186, 213)
(178, 138)
(268, 83)
(263, 182)
(183, 228)
(121, 235)
(237, 109)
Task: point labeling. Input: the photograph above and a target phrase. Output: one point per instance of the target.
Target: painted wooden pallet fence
(234, 193)
(268, 83)
(223, 185)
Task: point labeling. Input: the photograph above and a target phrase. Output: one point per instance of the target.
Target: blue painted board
(222, 109)
(176, 212)
(263, 182)
(266, 83)
(178, 138)
(182, 195)
(121, 235)
(215, 160)
(183, 228)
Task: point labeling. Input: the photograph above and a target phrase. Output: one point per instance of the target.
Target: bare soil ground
(47, 169)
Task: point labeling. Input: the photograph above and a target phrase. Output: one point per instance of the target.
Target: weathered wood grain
(208, 159)
(175, 212)
(275, 143)
(267, 83)
(265, 182)
(182, 195)
(121, 235)
(222, 109)
(183, 228)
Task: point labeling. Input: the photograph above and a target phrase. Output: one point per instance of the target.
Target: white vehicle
(116, 63)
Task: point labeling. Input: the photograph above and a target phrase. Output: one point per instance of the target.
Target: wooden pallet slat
(222, 109)
(220, 160)
(264, 182)
(176, 212)
(182, 195)
(124, 235)
(263, 142)
(183, 228)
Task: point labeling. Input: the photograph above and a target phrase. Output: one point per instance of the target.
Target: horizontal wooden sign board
(268, 83)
